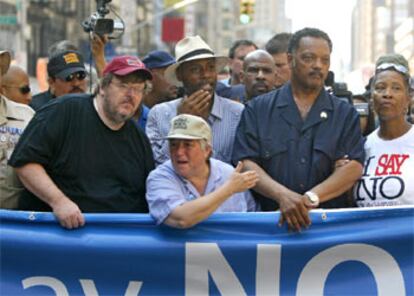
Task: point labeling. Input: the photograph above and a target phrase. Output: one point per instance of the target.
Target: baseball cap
(392, 58)
(158, 59)
(124, 65)
(4, 61)
(65, 63)
(189, 127)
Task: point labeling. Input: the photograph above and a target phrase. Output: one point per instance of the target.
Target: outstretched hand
(241, 181)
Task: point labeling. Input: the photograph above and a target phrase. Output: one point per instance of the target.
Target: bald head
(15, 85)
(258, 74)
(258, 54)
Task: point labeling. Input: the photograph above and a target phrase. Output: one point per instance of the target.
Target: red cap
(124, 65)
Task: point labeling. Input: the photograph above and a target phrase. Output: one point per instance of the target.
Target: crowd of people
(166, 135)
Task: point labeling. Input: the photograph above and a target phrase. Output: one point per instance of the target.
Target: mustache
(318, 73)
(259, 84)
(77, 90)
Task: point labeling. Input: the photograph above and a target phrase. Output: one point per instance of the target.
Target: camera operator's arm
(98, 51)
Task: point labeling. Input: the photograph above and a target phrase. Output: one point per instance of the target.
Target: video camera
(98, 24)
(340, 90)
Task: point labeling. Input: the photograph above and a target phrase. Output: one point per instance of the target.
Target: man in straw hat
(13, 119)
(92, 158)
(191, 186)
(196, 70)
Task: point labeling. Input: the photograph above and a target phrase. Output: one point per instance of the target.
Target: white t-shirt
(388, 177)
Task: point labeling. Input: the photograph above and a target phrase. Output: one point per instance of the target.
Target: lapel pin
(324, 115)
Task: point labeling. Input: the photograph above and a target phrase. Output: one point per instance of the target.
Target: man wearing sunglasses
(13, 119)
(15, 85)
(67, 75)
(91, 158)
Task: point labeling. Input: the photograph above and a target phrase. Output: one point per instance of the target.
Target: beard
(112, 113)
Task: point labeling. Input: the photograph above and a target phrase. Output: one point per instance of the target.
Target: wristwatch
(313, 198)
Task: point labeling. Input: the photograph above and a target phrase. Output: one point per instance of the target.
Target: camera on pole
(97, 22)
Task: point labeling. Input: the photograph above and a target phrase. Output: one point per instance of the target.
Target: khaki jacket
(14, 117)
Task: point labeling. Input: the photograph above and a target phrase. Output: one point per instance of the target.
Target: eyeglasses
(25, 89)
(387, 66)
(138, 90)
(78, 75)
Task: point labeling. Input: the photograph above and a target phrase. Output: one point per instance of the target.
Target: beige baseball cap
(4, 61)
(189, 127)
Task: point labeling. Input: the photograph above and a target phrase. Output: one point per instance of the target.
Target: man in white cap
(92, 158)
(196, 70)
(191, 186)
(13, 119)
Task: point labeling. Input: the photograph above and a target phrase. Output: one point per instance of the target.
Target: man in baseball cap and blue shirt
(67, 74)
(92, 158)
(191, 186)
(162, 91)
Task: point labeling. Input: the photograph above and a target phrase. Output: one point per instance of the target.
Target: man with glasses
(13, 119)
(81, 153)
(67, 75)
(15, 85)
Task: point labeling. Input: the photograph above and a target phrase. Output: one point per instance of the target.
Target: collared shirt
(234, 92)
(13, 119)
(141, 122)
(166, 190)
(41, 99)
(298, 154)
(223, 120)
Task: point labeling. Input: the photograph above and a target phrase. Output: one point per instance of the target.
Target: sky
(332, 16)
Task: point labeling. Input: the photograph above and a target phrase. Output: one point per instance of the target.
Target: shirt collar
(286, 98)
(8, 109)
(217, 110)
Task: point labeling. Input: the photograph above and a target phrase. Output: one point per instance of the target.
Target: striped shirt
(223, 119)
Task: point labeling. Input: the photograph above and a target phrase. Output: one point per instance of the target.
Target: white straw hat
(190, 49)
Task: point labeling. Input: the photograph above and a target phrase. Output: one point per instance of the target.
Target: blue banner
(344, 252)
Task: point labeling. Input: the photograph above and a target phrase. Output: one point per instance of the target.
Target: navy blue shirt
(298, 154)
(41, 99)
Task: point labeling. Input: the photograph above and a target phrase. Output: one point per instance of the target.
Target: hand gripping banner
(344, 252)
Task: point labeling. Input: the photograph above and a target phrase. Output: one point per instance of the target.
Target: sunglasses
(78, 75)
(25, 89)
(391, 66)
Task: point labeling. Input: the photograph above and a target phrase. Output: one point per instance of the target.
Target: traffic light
(246, 11)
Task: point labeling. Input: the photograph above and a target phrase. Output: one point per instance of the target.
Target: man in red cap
(92, 158)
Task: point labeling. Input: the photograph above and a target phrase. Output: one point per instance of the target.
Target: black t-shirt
(101, 170)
